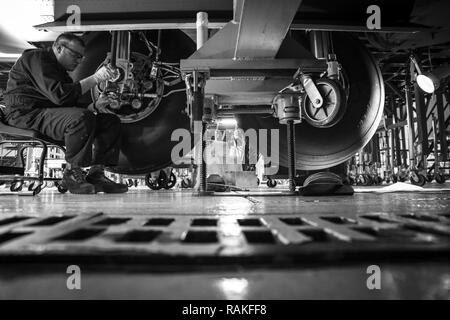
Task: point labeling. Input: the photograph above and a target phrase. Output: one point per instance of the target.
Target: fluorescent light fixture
(10, 55)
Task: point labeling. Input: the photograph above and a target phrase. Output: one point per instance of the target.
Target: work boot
(103, 184)
(75, 181)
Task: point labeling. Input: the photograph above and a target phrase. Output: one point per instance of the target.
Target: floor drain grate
(377, 218)
(394, 234)
(50, 221)
(164, 222)
(112, 221)
(255, 236)
(81, 234)
(5, 237)
(338, 220)
(420, 218)
(197, 234)
(139, 236)
(249, 222)
(204, 222)
(293, 221)
(317, 235)
(12, 220)
(201, 237)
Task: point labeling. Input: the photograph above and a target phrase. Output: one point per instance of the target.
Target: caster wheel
(152, 183)
(186, 183)
(429, 177)
(31, 186)
(16, 186)
(60, 187)
(37, 189)
(171, 182)
(129, 183)
(162, 179)
(271, 183)
(369, 180)
(362, 180)
(333, 108)
(418, 179)
(440, 178)
(378, 180)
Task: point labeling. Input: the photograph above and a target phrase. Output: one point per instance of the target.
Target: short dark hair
(66, 37)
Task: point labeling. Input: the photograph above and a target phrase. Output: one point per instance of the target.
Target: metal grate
(316, 236)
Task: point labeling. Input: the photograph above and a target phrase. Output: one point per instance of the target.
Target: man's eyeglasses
(73, 53)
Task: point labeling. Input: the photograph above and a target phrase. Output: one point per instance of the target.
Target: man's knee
(82, 118)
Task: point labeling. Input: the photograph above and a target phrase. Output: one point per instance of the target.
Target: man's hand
(102, 103)
(104, 73)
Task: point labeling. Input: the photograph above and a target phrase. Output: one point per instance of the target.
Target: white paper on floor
(398, 187)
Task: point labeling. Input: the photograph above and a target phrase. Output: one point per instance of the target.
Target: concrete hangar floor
(262, 245)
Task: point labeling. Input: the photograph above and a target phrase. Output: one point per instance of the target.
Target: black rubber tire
(141, 139)
(319, 148)
(361, 180)
(271, 183)
(378, 180)
(420, 181)
(171, 182)
(37, 190)
(440, 178)
(152, 183)
(162, 179)
(186, 183)
(31, 186)
(337, 113)
(16, 186)
(62, 189)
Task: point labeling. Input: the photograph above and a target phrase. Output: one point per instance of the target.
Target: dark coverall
(40, 95)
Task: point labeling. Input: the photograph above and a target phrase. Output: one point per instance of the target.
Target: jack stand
(291, 155)
(198, 99)
(288, 113)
